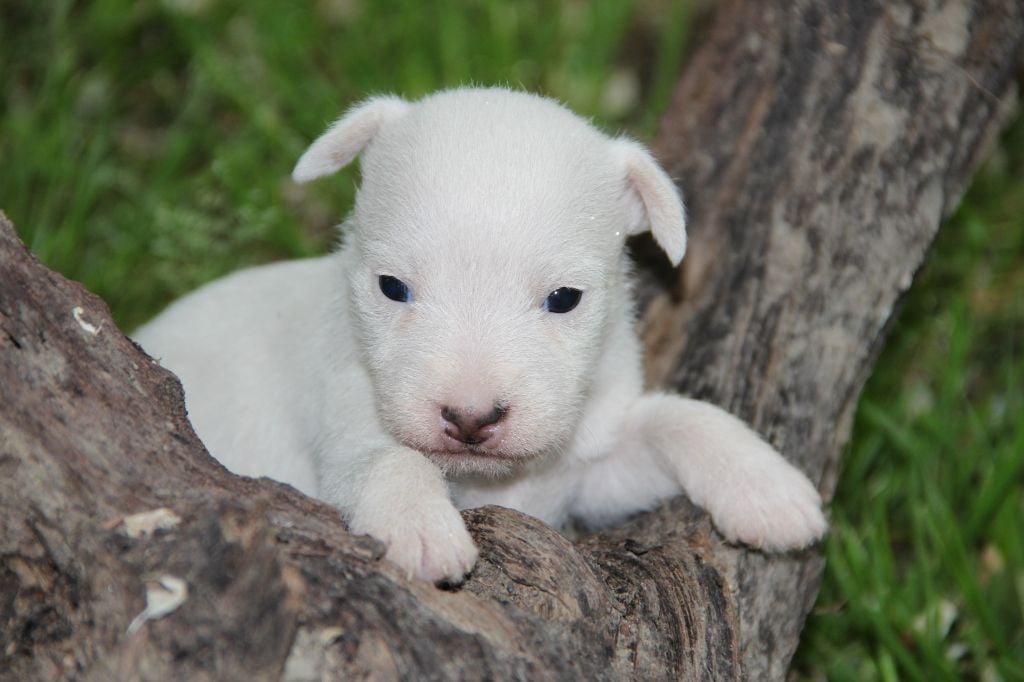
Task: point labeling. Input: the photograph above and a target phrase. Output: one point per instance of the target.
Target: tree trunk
(820, 144)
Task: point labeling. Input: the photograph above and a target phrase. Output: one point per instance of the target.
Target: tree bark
(820, 144)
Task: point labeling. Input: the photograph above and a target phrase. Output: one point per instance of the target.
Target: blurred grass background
(145, 148)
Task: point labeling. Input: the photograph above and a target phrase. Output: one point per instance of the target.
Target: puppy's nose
(469, 427)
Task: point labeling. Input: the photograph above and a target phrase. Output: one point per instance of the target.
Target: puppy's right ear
(347, 137)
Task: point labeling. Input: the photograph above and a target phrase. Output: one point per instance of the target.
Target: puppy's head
(487, 242)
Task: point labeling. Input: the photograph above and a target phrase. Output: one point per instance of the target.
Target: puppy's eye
(395, 289)
(562, 300)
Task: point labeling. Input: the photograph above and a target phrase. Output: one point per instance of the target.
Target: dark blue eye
(562, 300)
(395, 289)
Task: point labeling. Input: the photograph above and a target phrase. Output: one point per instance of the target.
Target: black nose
(467, 427)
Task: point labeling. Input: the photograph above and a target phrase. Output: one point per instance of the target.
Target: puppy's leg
(399, 497)
(668, 443)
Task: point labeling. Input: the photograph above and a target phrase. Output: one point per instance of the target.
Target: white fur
(483, 201)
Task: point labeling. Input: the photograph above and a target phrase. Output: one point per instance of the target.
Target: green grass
(146, 148)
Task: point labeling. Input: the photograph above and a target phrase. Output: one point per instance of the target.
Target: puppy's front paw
(428, 541)
(770, 506)
(753, 494)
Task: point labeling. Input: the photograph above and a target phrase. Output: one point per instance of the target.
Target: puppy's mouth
(466, 450)
(456, 457)
(496, 448)
(447, 444)
(472, 459)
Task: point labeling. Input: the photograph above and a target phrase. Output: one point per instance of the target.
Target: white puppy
(471, 343)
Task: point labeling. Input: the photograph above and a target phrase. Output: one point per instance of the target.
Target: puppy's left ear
(347, 137)
(653, 200)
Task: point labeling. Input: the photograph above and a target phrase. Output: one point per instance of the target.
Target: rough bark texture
(820, 144)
